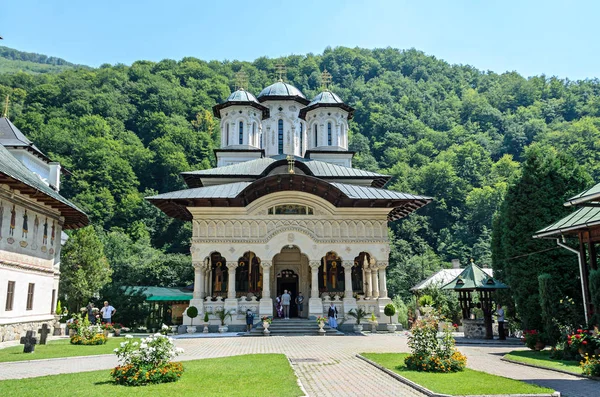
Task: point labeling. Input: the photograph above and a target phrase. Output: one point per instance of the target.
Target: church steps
(293, 327)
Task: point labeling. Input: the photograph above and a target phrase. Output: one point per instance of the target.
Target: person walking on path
(285, 302)
(249, 320)
(332, 316)
(300, 303)
(107, 312)
(500, 313)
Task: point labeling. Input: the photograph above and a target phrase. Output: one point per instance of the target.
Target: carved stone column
(369, 282)
(375, 280)
(347, 278)
(231, 268)
(381, 266)
(315, 304)
(207, 280)
(199, 268)
(266, 281)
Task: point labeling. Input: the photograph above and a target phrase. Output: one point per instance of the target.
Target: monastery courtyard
(325, 366)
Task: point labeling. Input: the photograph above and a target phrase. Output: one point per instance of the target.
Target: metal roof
(11, 136)
(591, 194)
(229, 190)
(161, 293)
(326, 97)
(473, 277)
(439, 278)
(582, 218)
(373, 193)
(241, 95)
(14, 173)
(281, 89)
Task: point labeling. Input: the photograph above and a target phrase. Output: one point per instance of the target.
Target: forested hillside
(13, 61)
(448, 131)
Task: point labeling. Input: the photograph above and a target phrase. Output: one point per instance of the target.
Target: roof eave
(295, 98)
(343, 106)
(217, 108)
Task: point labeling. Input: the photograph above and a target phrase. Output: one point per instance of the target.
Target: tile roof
(13, 169)
(11, 136)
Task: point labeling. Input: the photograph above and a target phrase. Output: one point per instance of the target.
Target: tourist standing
(278, 307)
(90, 313)
(332, 316)
(286, 299)
(107, 312)
(300, 303)
(500, 313)
(249, 320)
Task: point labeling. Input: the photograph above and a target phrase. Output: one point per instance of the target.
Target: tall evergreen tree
(533, 202)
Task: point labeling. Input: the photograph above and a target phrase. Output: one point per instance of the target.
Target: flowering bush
(117, 326)
(266, 319)
(590, 365)
(583, 340)
(165, 329)
(74, 324)
(107, 327)
(430, 353)
(148, 361)
(531, 337)
(321, 319)
(97, 339)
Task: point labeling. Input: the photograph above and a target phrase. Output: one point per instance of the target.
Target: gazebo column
(381, 266)
(315, 304)
(266, 303)
(349, 300)
(231, 303)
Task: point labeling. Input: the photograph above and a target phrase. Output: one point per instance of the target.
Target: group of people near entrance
(283, 301)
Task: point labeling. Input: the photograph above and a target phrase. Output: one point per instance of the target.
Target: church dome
(243, 98)
(326, 99)
(281, 90)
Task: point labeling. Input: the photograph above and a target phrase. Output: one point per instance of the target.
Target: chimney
(54, 176)
(455, 264)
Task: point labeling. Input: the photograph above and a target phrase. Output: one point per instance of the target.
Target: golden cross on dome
(5, 114)
(280, 69)
(241, 80)
(325, 78)
(290, 160)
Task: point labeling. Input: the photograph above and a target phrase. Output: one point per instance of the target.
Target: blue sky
(532, 37)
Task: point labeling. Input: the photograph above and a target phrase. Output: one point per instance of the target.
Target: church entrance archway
(287, 280)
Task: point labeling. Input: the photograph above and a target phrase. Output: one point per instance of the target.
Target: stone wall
(15, 331)
(475, 329)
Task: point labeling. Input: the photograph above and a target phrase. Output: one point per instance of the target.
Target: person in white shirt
(107, 312)
(286, 299)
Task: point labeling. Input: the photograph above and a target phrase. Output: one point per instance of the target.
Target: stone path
(325, 366)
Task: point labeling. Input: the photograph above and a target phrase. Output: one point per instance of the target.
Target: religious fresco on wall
(248, 277)
(36, 226)
(219, 274)
(332, 273)
(360, 263)
(45, 237)
(25, 225)
(13, 221)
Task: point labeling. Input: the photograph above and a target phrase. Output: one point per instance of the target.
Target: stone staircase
(293, 327)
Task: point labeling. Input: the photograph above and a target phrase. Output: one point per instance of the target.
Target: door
(288, 280)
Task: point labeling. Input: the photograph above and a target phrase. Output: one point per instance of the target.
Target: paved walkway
(326, 366)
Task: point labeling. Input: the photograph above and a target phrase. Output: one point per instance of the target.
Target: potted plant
(222, 315)
(321, 324)
(117, 329)
(192, 313)
(266, 322)
(583, 341)
(389, 310)
(426, 304)
(358, 314)
(374, 323)
(533, 340)
(206, 322)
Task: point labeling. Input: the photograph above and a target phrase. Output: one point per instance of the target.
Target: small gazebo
(475, 279)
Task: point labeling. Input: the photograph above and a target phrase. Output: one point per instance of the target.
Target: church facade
(32, 217)
(285, 210)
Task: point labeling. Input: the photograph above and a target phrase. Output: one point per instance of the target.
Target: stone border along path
(325, 366)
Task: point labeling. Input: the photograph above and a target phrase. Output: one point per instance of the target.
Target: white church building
(32, 217)
(284, 209)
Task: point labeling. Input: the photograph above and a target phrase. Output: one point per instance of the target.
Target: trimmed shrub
(389, 310)
(594, 279)
(97, 339)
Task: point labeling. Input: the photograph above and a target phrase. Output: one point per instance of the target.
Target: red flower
(584, 342)
(579, 331)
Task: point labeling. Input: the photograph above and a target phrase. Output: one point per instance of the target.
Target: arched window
(343, 137)
(316, 143)
(261, 141)
(227, 135)
(301, 137)
(241, 132)
(329, 134)
(280, 135)
(254, 137)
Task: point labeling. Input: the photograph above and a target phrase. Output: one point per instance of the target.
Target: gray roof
(238, 147)
(589, 195)
(326, 97)
(256, 167)
(363, 192)
(13, 169)
(11, 136)
(328, 149)
(241, 95)
(281, 89)
(582, 218)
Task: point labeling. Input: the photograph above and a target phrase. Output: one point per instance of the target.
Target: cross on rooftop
(280, 68)
(325, 78)
(241, 80)
(5, 114)
(29, 342)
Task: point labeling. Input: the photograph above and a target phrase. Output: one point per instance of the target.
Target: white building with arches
(284, 209)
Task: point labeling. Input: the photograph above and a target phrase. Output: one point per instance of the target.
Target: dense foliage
(452, 132)
(13, 61)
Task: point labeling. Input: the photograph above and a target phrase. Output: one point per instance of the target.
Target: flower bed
(97, 339)
(147, 362)
(590, 366)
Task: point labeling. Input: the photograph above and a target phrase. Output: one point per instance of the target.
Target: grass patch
(58, 348)
(237, 376)
(457, 383)
(542, 359)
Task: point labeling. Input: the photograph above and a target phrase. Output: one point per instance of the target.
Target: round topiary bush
(192, 312)
(389, 310)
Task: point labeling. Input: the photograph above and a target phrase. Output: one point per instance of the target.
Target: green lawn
(458, 383)
(56, 349)
(542, 359)
(250, 375)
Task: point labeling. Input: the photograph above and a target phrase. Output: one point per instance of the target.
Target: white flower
(123, 344)
(135, 343)
(128, 336)
(179, 350)
(143, 346)
(116, 350)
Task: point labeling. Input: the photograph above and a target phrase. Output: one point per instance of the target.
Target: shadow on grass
(106, 382)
